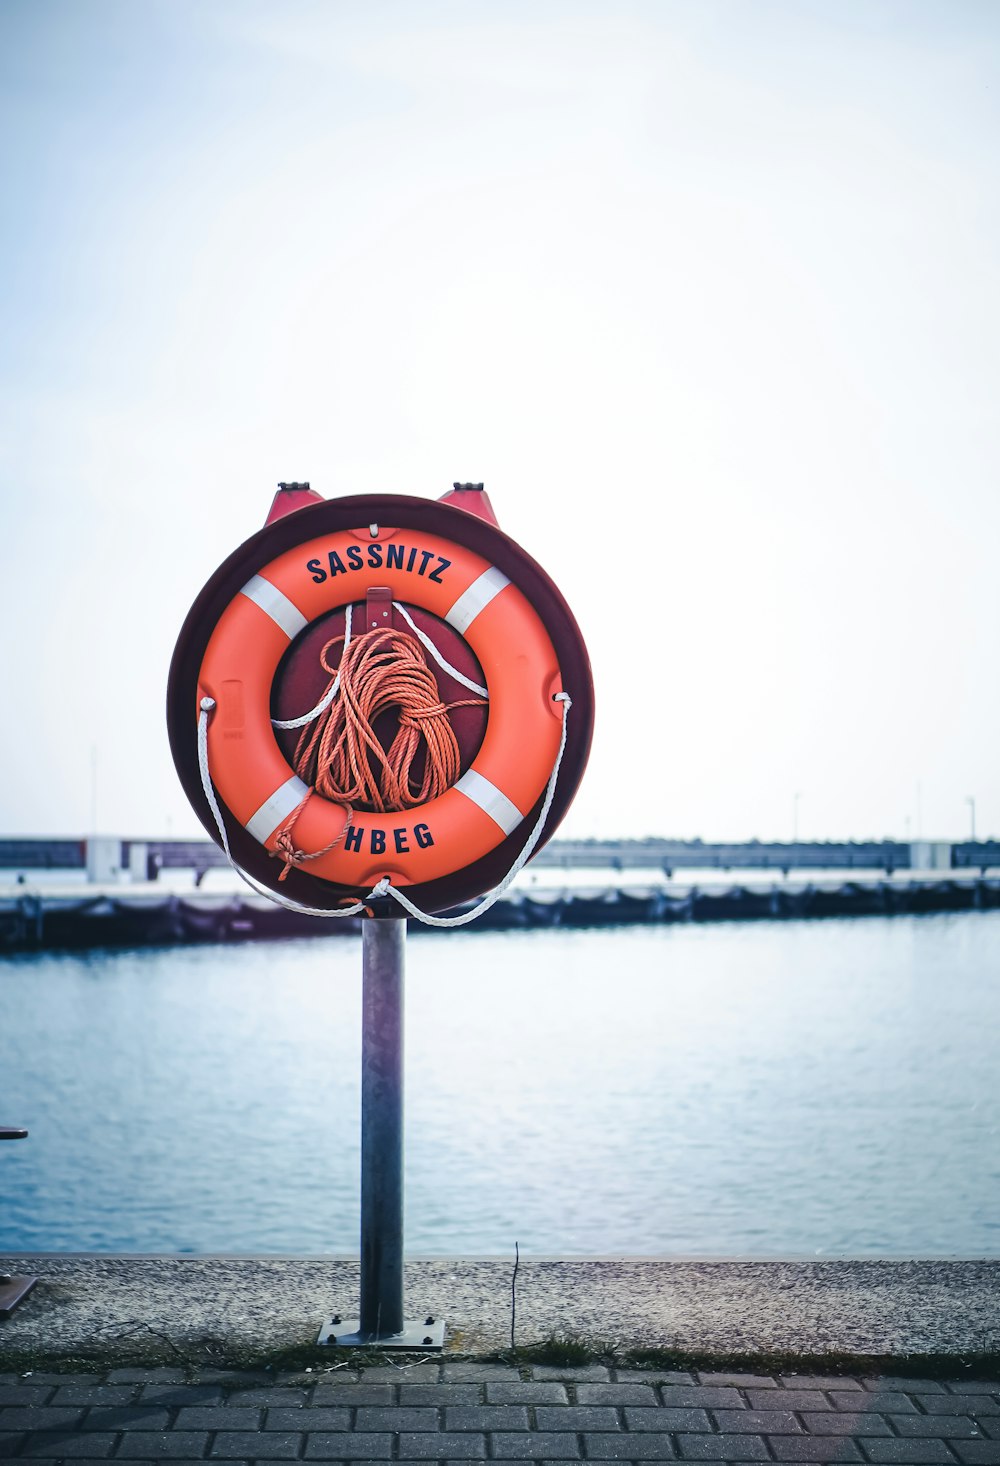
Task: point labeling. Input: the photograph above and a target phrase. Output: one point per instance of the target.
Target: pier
(105, 857)
(85, 916)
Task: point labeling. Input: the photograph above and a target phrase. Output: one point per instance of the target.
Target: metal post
(384, 944)
(381, 1320)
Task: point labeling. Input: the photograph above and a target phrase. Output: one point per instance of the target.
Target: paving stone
(904, 1382)
(973, 1387)
(317, 1379)
(396, 1418)
(168, 1394)
(68, 1447)
(443, 1394)
(127, 1417)
(458, 1444)
(908, 1450)
(814, 1448)
(577, 1417)
(140, 1376)
(311, 1417)
(237, 1378)
(152, 1446)
(92, 1395)
(470, 1373)
(41, 1377)
(957, 1404)
(712, 1397)
(819, 1382)
(486, 1417)
(735, 1377)
(623, 1447)
(39, 1417)
(616, 1394)
(218, 1417)
(11, 1445)
(990, 1425)
(279, 1395)
(581, 1373)
(947, 1426)
(16, 1394)
(768, 1422)
(427, 1372)
(844, 1423)
(262, 1445)
(977, 1453)
(348, 1445)
(883, 1401)
(723, 1447)
(654, 1376)
(354, 1394)
(530, 1392)
(666, 1418)
(532, 1444)
(790, 1399)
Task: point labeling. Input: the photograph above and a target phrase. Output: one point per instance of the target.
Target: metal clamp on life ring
(253, 651)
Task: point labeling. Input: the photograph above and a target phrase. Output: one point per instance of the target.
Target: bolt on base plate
(344, 1333)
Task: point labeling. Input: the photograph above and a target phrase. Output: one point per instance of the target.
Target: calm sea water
(769, 1089)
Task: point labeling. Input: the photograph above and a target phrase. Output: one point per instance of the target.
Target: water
(763, 1089)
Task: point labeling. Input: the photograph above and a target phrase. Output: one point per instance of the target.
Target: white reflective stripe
(491, 800)
(269, 598)
(472, 601)
(276, 809)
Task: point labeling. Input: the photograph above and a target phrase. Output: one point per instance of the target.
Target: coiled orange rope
(339, 755)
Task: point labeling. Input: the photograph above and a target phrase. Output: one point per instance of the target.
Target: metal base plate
(12, 1290)
(343, 1333)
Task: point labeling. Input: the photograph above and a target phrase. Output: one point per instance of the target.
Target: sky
(704, 291)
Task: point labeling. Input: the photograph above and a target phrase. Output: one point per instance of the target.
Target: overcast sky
(705, 291)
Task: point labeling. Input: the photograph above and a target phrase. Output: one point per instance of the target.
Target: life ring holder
(337, 517)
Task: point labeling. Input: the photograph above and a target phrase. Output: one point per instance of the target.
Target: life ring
(430, 558)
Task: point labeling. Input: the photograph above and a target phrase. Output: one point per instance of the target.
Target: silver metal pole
(383, 948)
(381, 1321)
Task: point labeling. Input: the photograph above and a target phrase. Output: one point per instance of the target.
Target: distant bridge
(108, 858)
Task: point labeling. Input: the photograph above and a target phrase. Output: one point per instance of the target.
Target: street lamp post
(970, 801)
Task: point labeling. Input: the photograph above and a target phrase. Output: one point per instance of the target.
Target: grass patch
(561, 1349)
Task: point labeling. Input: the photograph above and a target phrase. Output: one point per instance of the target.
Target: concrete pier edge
(933, 1316)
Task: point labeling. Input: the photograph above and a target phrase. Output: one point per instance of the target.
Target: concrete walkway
(214, 1359)
(120, 1310)
(441, 1411)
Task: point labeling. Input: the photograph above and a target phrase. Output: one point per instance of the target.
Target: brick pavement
(449, 1411)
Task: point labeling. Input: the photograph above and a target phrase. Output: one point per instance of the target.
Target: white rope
(384, 887)
(446, 666)
(207, 704)
(519, 863)
(325, 702)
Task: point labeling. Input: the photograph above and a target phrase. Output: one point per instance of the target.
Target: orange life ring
(438, 560)
(519, 662)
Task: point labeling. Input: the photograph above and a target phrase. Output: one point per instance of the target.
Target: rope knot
(285, 848)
